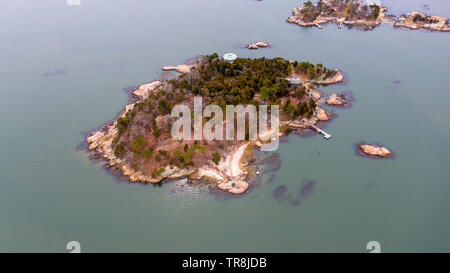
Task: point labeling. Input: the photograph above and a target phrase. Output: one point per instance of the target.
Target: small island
(373, 150)
(351, 13)
(139, 146)
(417, 20)
(258, 45)
(359, 14)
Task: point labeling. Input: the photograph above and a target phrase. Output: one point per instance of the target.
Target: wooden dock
(320, 131)
(319, 26)
(305, 123)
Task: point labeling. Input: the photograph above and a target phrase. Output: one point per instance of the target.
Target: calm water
(50, 193)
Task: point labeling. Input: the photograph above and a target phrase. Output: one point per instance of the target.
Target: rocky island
(351, 13)
(258, 45)
(417, 20)
(138, 144)
(359, 14)
(373, 150)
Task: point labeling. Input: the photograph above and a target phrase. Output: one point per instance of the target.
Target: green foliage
(119, 150)
(122, 124)
(216, 158)
(163, 153)
(302, 108)
(376, 11)
(269, 93)
(158, 172)
(199, 147)
(312, 104)
(177, 157)
(238, 82)
(188, 158)
(147, 154)
(155, 129)
(138, 144)
(164, 106)
(312, 72)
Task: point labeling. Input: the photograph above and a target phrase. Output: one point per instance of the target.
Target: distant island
(138, 143)
(417, 20)
(359, 14)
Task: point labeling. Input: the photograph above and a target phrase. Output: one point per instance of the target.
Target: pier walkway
(320, 131)
(304, 123)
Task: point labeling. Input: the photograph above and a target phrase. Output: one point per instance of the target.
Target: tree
(155, 128)
(147, 154)
(312, 104)
(216, 158)
(164, 106)
(119, 150)
(138, 144)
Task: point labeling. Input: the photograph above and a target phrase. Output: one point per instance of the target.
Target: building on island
(230, 57)
(294, 80)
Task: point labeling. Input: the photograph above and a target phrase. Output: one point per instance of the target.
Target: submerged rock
(279, 192)
(307, 188)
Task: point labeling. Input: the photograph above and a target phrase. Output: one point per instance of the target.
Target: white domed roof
(229, 57)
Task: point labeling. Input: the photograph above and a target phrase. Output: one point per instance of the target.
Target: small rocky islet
(373, 150)
(258, 45)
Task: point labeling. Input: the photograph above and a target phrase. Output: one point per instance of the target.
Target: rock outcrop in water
(258, 45)
(374, 150)
(336, 100)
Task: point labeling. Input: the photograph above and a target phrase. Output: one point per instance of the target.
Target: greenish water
(50, 193)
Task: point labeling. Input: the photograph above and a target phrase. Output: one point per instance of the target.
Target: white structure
(294, 80)
(230, 57)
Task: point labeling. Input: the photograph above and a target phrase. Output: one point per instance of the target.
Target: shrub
(216, 158)
(158, 172)
(147, 153)
(138, 144)
(119, 150)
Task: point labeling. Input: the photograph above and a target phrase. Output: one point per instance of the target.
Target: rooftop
(229, 57)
